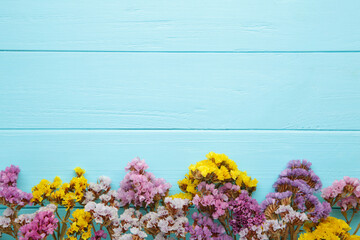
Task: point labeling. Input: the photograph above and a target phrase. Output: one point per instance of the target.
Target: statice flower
(247, 217)
(329, 228)
(213, 184)
(211, 200)
(344, 193)
(216, 168)
(12, 197)
(294, 201)
(9, 176)
(168, 219)
(130, 226)
(95, 190)
(141, 188)
(102, 214)
(205, 228)
(43, 225)
(99, 235)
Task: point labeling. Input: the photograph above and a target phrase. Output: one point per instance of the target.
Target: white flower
(8, 212)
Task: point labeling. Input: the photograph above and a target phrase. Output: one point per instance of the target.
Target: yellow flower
(216, 168)
(79, 171)
(56, 183)
(86, 235)
(41, 191)
(182, 196)
(81, 224)
(244, 180)
(69, 200)
(329, 229)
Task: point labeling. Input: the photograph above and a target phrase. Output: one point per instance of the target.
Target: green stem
(64, 226)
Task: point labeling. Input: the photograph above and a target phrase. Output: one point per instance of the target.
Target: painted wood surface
(181, 91)
(159, 25)
(96, 83)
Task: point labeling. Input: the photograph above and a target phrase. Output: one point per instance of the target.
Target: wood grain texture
(158, 25)
(186, 91)
(264, 154)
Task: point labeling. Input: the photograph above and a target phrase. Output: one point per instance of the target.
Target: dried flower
(141, 188)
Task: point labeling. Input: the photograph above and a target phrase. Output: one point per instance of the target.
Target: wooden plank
(205, 25)
(264, 154)
(207, 91)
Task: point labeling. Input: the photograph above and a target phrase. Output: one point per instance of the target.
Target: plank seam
(180, 52)
(179, 129)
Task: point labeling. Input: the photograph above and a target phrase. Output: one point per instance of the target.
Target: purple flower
(246, 213)
(9, 176)
(205, 228)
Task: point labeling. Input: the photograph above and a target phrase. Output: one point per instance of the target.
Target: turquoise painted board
(181, 91)
(187, 25)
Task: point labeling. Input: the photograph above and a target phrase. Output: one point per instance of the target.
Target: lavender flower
(293, 202)
(205, 228)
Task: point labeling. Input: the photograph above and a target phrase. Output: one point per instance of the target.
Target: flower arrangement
(344, 193)
(293, 203)
(141, 207)
(215, 185)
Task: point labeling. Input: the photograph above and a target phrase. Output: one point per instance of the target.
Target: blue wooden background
(96, 83)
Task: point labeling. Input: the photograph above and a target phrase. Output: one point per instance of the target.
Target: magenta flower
(99, 235)
(246, 214)
(43, 225)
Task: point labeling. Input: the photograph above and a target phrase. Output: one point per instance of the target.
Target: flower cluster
(247, 217)
(293, 202)
(346, 194)
(215, 183)
(10, 195)
(205, 228)
(215, 202)
(95, 190)
(329, 228)
(63, 194)
(168, 219)
(216, 168)
(80, 225)
(13, 198)
(141, 188)
(130, 226)
(43, 224)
